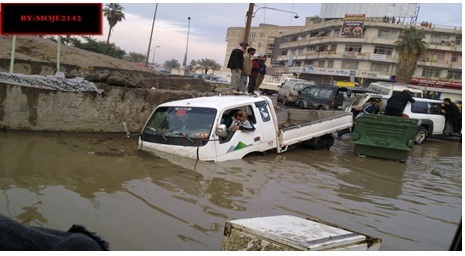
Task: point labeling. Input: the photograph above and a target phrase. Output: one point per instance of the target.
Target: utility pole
(151, 34)
(248, 22)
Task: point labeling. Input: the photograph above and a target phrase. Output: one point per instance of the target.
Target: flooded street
(138, 201)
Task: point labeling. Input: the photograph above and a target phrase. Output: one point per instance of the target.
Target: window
(263, 109)
(431, 72)
(380, 67)
(440, 56)
(458, 40)
(312, 91)
(261, 34)
(454, 75)
(438, 38)
(435, 108)
(230, 113)
(383, 50)
(353, 48)
(300, 50)
(455, 57)
(330, 63)
(349, 64)
(324, 93)
(321, 63)
(173, 122)
(387, 34)
(420, 107)
(251, 36)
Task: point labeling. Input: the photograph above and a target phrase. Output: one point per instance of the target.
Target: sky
(209, 23)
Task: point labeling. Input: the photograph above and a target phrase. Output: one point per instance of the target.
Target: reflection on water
(139, 201)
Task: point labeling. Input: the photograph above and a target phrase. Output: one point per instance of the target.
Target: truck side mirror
(221, 130)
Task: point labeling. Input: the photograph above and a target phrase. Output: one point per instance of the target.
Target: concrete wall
(25, 108)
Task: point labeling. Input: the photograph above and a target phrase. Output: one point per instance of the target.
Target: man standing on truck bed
(236, 63)
(396, 104)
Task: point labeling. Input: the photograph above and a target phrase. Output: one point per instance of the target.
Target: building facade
(317, 51)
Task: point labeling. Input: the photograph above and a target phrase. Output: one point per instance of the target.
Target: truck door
(239, 143)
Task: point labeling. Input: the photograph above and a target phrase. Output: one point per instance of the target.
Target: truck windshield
(187, 126)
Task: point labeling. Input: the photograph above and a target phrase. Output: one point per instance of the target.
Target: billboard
(338, 10)
(352, 26)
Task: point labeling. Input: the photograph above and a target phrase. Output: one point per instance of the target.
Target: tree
(170, 64)
(410, 47)
(98, 47)
(135, 57)
(205, 65)
(114, 14)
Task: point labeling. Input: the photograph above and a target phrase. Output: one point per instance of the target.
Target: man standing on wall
(262, 72)
(236, 64)
(246, 69)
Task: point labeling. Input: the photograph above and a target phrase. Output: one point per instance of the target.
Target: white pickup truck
(195, 128)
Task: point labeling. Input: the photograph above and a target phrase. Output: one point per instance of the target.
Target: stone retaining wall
(25, 108)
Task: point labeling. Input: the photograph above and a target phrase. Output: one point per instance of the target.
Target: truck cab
(197, 128)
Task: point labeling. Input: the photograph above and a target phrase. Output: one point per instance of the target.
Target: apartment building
(261, 38)
(318, 51)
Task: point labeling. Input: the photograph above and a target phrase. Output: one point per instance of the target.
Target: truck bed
(297, 125)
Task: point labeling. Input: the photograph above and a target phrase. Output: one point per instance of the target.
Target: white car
(428, 111)
(289, 91)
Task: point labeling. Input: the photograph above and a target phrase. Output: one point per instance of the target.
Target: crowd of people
(397, 102)
(248, 69)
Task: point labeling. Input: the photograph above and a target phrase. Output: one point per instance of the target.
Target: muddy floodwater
(139, 201)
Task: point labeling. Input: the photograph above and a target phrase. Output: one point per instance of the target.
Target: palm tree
(114, 14)
(410, 47)
(170, 64)
(205, 64)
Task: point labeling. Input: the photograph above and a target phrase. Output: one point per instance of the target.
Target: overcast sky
(210, 21)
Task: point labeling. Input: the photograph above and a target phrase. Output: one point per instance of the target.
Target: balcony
(340, 55)
(440, 64)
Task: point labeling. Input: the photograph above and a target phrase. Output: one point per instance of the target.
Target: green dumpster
(383, 136)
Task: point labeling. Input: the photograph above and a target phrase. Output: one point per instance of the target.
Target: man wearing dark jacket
(236, 63)
(396, 104)
(453, 117)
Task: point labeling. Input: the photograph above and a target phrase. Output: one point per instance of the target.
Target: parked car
(427, 111)
(326, 97)
(218, 80)
(288, 92)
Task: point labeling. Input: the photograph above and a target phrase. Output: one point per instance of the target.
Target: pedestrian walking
(236, 63)
(396, 104)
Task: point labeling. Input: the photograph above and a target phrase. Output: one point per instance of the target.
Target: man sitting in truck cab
(242, 123)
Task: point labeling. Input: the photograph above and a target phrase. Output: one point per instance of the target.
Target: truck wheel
(301, 104)
(323, 142)
(421, 135)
